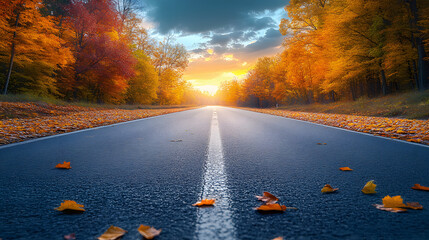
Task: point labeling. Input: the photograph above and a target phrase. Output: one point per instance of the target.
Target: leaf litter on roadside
(112, 233)
(148, 232)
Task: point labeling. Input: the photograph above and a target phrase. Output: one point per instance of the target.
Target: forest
(95, 51)
(340, 50)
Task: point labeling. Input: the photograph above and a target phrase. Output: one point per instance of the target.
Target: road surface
(151, 171)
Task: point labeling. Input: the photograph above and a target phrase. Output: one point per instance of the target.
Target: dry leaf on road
(148, 232)
(328, 189)
(112, 233)
(205, 202)
(369, 187)
(69, 206)
(268, 198)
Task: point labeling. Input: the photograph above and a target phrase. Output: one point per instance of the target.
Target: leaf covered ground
(23, 121)
(404, 129)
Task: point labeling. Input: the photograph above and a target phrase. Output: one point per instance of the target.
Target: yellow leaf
(328, 189)
(70, 206)
(369, 187)
(393, 202)
(205, 202)
(65, 165)
(148, 232)
(112, 233)
(345, 169)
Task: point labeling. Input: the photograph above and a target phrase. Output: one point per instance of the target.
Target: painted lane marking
(215, 222)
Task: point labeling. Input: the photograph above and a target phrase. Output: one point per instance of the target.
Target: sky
(224, 37)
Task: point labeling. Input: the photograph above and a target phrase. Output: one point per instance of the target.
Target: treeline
(91, 50)
(340, 49)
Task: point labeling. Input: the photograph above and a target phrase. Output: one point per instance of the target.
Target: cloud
(197, 16)
(272, 38)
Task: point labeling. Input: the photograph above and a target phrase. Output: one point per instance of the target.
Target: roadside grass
(410, 105)
(27, 106)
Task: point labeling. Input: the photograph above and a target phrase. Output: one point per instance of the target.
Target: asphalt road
(131, 174)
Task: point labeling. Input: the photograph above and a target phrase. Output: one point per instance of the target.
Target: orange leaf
(345, 169)
(148, 232)
(205, 202)
(278, 238)
(112, 233)
(420, 187)
(65, 165)
(393, 202)
(70, 206)
(268, 198)
(328, 189)
(272, 207)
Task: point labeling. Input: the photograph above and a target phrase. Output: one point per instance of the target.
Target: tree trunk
(383, 82)
(422, 64)
(12, 56)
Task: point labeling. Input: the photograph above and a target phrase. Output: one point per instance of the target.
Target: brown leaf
(268, 198)
(112, 233)
(395, 210)
(420, 187)
(148, 232)
(71, 236)
(414, 205)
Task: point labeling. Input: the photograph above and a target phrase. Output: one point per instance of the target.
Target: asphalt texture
(132, 174)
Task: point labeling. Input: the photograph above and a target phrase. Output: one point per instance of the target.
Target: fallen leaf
(414, 205)
(267, 198)
(70, 206)
(395, 210)
(369, 187)
(148, 232)
(71, 236)
(275, 207)
(345, 169)
(112, 233)
(205, 202)
(65, 165)
(393, 202)
(420, 187)
(321, 143)
(278, 238)
(179, 140)
(328, 189)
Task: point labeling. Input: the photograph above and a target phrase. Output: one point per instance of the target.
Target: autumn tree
(143, 86)
(104, 61)
(30, 49)
(170, 60)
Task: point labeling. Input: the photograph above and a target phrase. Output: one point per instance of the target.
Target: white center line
(215, 222)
